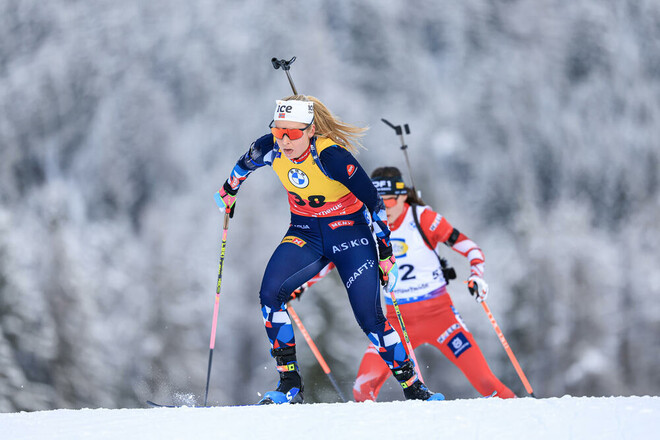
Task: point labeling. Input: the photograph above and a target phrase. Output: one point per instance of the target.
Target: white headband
(296, 111)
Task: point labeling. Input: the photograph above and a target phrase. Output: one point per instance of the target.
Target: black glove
(384, 252)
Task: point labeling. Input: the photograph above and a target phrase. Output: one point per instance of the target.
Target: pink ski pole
(217, 304)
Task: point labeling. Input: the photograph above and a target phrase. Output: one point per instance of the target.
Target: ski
(160, 405)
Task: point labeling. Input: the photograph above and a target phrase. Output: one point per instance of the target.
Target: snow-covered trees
(534, 130)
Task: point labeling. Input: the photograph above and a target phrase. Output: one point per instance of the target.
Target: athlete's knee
(277, 290)
(272, 294)
(371, 322)
(268, 298)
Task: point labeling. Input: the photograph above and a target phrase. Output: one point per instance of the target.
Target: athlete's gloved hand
(225, 198)
(389, 271)
(299, 291)
(477, 287)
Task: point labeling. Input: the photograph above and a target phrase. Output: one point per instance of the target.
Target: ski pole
(217, 304)
(315, 350)
(508, 350)
(285, 65)
(405, 336)
(399, 130)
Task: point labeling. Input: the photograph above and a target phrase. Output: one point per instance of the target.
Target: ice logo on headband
(295, 111)
(282, 109)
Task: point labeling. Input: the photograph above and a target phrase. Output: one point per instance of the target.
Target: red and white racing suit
(427, 309)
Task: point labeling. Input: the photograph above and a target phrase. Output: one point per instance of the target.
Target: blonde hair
(328, 125)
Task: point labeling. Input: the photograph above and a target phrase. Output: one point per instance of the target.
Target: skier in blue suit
(334, 208)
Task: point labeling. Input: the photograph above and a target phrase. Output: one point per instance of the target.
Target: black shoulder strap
(447, 271)
(421, 231)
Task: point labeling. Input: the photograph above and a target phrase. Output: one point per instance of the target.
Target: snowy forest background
(535, 128)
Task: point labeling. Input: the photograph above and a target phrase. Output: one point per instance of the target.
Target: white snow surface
(524, 418)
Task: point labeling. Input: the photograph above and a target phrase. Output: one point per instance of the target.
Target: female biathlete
(421, 291)
(332, 203)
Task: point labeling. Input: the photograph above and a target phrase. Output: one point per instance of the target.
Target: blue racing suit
(333, 205)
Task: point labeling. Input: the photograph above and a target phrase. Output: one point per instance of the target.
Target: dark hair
(412, 198)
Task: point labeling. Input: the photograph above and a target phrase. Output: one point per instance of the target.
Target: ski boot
(290, 387)
(413, 388)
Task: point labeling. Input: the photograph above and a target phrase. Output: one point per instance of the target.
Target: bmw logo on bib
(298, 178)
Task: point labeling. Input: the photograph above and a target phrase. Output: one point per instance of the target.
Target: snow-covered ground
(526, 418)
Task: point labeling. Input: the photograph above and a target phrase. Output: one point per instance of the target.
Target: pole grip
(285, 65)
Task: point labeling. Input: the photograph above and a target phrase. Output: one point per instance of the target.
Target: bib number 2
(405, 272)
